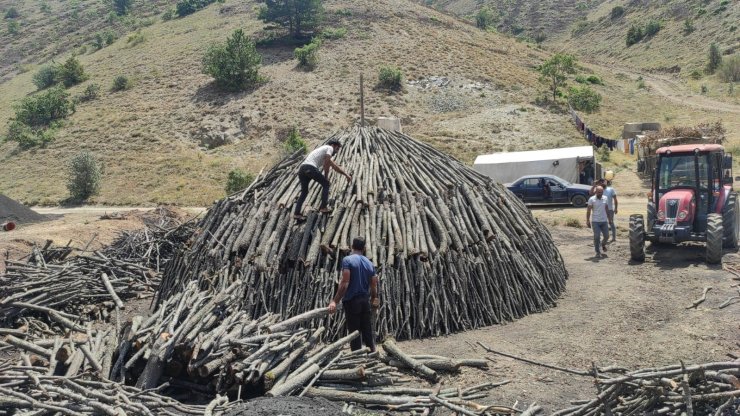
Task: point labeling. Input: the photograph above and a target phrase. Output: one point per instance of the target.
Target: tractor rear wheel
(637, 237)
(731, 221)
(714, 238)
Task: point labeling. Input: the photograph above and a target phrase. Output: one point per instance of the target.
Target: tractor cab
(691, 200)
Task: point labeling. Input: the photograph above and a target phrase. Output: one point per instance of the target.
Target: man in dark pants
(358, 291)
(309, 170)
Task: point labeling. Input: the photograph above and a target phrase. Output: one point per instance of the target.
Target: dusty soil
(288, 406)
(612, 313)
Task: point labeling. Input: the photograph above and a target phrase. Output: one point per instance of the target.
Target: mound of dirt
(288, 406)
(11, 210)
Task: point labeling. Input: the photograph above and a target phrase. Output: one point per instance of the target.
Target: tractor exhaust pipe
(8, 226)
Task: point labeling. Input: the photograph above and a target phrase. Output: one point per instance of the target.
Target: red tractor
(691, 200)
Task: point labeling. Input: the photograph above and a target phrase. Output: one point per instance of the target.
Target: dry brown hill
(466, 92)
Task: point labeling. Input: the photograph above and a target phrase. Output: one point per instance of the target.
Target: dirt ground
(613, 312)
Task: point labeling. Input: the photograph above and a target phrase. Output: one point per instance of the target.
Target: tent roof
(546, 154)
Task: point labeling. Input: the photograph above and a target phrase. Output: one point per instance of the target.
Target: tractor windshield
(680, 171)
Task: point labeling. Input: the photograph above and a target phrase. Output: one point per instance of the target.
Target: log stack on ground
(454, 250)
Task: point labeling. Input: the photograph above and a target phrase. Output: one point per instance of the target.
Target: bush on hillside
(584, 99)
(653, 27)
(540, 37)
(390, 78)
(121, 7)
(714, 60)
(169, 14)
(83, 176)
(294, 141)
(187, 7)
(235, 64)
(14, 27)
(617, 12)
(308, 55)
(238, 180)
(90, 93)
(71, 72)
(42, 109)
(295, 15)
(634, 35)
(729, 69)
(120, 83)
(12, 13)
(485, 18)
(333, 33)
(135, 38)
(688, 26)
(46, 76)
(27, 137)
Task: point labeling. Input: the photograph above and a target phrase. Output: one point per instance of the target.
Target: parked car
(538, 189)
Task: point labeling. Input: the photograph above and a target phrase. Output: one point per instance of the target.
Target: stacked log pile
(701, 389)
(454, 250)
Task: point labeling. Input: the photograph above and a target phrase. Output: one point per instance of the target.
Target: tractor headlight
(661, 215)
(682, 215)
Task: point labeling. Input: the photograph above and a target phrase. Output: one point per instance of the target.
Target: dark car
(538, 189)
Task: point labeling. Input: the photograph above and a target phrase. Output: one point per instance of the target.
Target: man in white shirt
(309, 170)
(597, 218)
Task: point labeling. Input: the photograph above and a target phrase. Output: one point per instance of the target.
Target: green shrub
(695, 74)
(540, 37)
(584, 99)
(12, 13)
(186, 7)
(83, 176)
(308, 55)
(42, 109)
(27, 137)
(580, 79)
(71, 72)
(169, 14)
(109, 37)
(46, 76)
(234, 65)
(714, 60)
(701, 12)
(334, 33)
(581, 27)
(121, 7)
(294, 141)
(617, 12)
(688, 26)
(485, 18)
(593, 79)
(135, 39)
(634, 35)
(238, 180)
(90, 93)
(729, 69)
(653, 27)
(14, 27)
(390, 78)
(641, 83)
(295, 15)
(44, 7)
(604, 154)
(120, 83)
(98, 41)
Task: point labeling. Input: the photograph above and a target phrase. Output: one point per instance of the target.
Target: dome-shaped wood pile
(454, 250)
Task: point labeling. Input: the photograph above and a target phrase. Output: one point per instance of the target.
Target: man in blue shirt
(358, 292)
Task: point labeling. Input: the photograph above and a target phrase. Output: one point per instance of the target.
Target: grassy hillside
(466, 91)
(45, 29)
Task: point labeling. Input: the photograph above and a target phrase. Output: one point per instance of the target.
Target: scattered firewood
(701, 299)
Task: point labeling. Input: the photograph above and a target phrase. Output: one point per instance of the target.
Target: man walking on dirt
(309, 170)
(611, 202)
(597, 218)
(358, 291)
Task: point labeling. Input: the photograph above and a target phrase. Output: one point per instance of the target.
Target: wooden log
(390, 346)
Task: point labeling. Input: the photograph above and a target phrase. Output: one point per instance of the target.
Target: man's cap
(333, 142)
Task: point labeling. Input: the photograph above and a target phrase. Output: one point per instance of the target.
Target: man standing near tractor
(597, 218)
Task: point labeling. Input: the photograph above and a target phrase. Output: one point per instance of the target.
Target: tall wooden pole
(362, 101)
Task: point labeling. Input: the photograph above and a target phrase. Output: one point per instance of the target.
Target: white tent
(563, 162)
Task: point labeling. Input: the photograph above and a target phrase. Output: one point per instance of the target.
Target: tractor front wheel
(714, 238)
(637, 237)
(731, 221)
